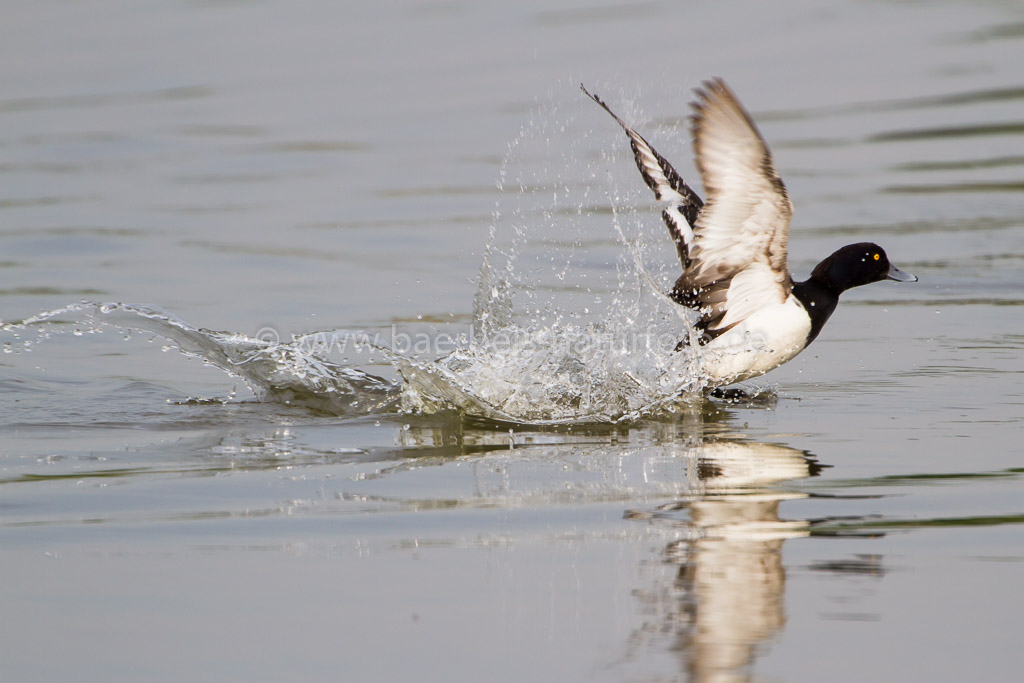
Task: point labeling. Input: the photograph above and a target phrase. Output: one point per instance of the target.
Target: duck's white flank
(763, 341)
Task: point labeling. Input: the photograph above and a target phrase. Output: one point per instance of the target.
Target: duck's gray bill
(899, 276)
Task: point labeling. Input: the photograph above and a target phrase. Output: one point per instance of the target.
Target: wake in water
(293, 372)
(570, 321)
(547, 375)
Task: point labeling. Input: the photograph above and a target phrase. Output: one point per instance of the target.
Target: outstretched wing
(738, 254)
(682, 203)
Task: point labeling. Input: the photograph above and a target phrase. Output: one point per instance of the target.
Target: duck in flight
(733, 248)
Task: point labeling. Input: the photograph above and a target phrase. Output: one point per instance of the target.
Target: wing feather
(741, 235)
(683, 204)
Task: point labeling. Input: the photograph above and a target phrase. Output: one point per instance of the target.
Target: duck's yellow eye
(876, 257)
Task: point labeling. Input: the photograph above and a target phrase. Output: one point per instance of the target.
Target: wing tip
(712, 92)
(591, 95)
(604, 105)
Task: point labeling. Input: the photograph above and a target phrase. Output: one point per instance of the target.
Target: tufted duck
(733, 249)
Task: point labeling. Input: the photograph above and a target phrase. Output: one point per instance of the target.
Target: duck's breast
(762, 342)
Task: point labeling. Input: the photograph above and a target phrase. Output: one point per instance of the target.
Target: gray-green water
(255, 166)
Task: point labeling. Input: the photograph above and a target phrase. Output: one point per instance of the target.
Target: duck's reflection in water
(713, 595)
(727, 596)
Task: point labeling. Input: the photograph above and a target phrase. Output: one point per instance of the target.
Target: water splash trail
(546, 375)
(573, 327)
(292, 372)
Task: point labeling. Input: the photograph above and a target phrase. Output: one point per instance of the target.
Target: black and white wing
(682, 205)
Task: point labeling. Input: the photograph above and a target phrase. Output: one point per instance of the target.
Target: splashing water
(573, 320)
(293, 372)
(570, 320)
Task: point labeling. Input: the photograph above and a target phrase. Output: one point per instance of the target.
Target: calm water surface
(253, 166)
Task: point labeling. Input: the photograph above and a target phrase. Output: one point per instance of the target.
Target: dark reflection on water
(1011, 128)
(64, 102)
(952, 188)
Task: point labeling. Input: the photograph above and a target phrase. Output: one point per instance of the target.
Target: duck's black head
(855, 265)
